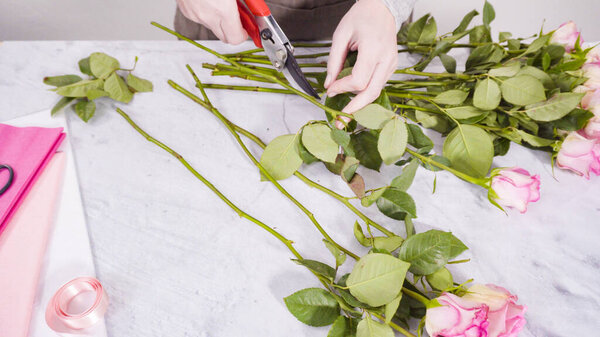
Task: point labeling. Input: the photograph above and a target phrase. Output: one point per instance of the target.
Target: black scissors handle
(11, 175)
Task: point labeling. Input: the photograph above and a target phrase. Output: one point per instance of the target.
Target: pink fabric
(27, 151)
(22, 248)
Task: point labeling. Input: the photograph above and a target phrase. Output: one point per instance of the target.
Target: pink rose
(592, 72)
(485, 311)
(505, 316)
(566, 35)
(591, 102)
(580, 155)
(593, 56)
(514, 187)
(457, 317)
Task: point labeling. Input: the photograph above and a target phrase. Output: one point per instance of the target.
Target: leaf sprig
(106, 79)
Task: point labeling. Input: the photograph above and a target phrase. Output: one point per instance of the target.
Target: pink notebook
(27, 151)
(22, 249)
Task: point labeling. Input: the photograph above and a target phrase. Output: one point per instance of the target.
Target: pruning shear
(11, 175)
(265, 32)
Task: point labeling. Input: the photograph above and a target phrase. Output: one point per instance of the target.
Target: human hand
(220, 16)
(368, 27)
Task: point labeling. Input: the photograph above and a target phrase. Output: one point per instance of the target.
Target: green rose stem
(207, 105)
(246, 88)
(251, 71)
(288, 243)
(258, 141)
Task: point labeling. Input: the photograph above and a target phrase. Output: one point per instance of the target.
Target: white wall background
(129, 19)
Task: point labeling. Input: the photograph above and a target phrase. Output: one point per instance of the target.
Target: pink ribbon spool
(77, 306)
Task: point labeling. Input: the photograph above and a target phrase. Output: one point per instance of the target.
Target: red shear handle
(249, 23)
(258, 7)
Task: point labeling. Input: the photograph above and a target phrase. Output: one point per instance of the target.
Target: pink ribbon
(59, 315)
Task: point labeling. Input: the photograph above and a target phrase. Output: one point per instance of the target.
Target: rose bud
(505, 317)
(514, 187)
(457, 317)
(592, 72)
(566, 35)
(593, 56)
(580, 155)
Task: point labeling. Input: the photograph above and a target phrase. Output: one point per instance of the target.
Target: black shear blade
(294, 70)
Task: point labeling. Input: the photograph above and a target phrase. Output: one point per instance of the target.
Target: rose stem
(251, 71)
(306, 180)
(208, 106)
(246, 88)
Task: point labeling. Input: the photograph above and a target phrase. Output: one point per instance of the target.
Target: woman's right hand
(220, 16)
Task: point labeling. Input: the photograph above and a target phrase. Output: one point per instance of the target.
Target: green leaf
(403, 181)
(384, 100)
(464, 23)
(432, 120)
(438, 159)
(418, 139)
(93, 94)
(341, 137)
(117, 89)
(364, 144)
(441, 279)
(313, 306)
(451, 97)
(470, 150)
(426, 252)
(84, 66)
(360, 236)
(535, 140)
(574, 121)
(514, 44)
(504, 36)
(457, 247)
(508, 70)
(396, 204)
(487, 94)
(539, 74)
(373, 116)
(63, 102)
(391, 308)
(349, 168)
(78, 89)
(102, 65)
(467, 113)
(317, 140)
(340, 257)
(389, 243)
(61, 81)
(523, 90)
(85, 110)
(554, 108)
(340, 328)
(537, 44)
(546, 61)
(448, 62)
(281, 157)
(488, 13)
(377, 279)
(423, 31)
(317, 267)
(369, 328)
(392, 141)
(371, 198)
(139, 84)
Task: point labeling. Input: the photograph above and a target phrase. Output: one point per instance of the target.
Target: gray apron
(301, 20)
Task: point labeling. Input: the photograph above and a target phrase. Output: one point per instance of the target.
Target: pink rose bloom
(580, 155)
(592, 72)
(591, 102)
(566, 35)
(515, 187)
(505, 316)
(593, 56)
(457, 317)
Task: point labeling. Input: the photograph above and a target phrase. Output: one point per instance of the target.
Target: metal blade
(292, 69)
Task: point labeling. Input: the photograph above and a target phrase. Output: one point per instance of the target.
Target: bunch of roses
(580, 151)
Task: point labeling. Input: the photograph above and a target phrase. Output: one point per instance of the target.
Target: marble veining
(177, 262)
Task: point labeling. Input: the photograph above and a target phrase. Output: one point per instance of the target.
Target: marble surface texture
(177, 262)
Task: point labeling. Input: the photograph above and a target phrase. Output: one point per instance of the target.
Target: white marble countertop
(177, 262)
